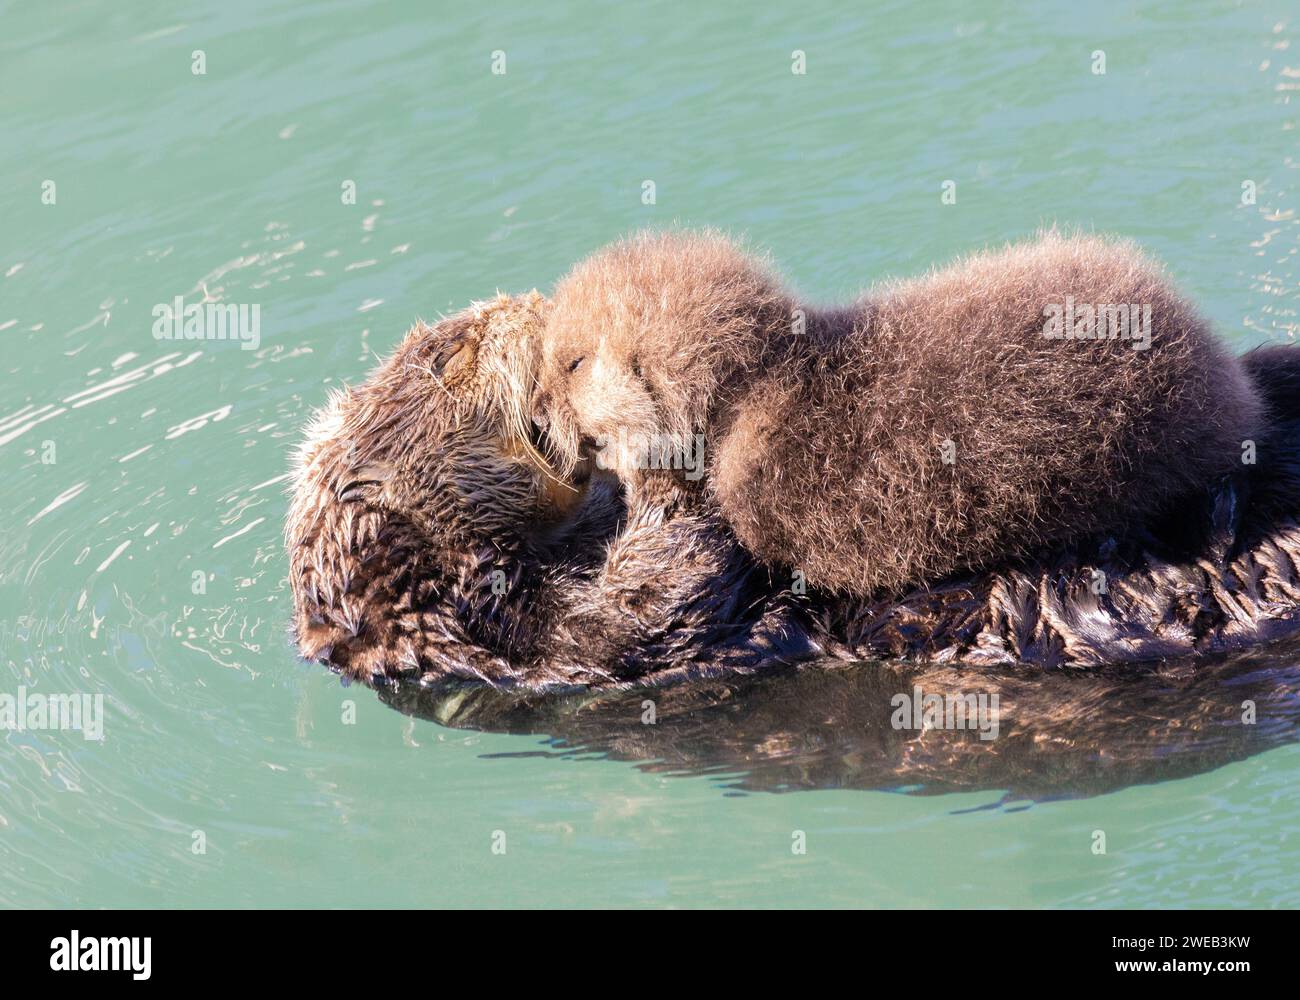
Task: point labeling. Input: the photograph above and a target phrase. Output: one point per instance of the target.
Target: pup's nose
(541, 420)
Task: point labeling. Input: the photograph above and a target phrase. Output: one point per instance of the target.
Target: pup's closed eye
(573, 365)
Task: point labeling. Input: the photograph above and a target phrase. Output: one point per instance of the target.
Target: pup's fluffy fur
(827, 430)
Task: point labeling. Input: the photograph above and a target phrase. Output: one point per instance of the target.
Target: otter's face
(640, 337)
(591, 396)
(488, 368)
(439, 434)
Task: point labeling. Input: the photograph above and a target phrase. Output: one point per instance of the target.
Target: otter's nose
(541, 420)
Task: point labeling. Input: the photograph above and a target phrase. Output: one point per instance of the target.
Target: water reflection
(1059, 733)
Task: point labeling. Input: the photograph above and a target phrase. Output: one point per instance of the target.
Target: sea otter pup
(1014, 401)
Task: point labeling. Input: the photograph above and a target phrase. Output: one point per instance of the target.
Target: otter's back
(950, 429)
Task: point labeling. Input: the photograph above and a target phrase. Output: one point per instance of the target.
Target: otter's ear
(457, 350)
(460, 360)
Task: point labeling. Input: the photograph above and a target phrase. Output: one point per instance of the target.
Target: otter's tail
(1275, 370)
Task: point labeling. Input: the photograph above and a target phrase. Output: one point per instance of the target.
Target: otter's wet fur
(930, 429)
(428, 541)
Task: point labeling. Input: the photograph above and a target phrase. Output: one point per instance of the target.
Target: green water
(131, 464)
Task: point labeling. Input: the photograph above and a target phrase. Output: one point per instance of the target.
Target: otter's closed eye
(573, 365)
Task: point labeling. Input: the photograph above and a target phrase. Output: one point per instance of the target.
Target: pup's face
(640, 336)
(592, 393)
